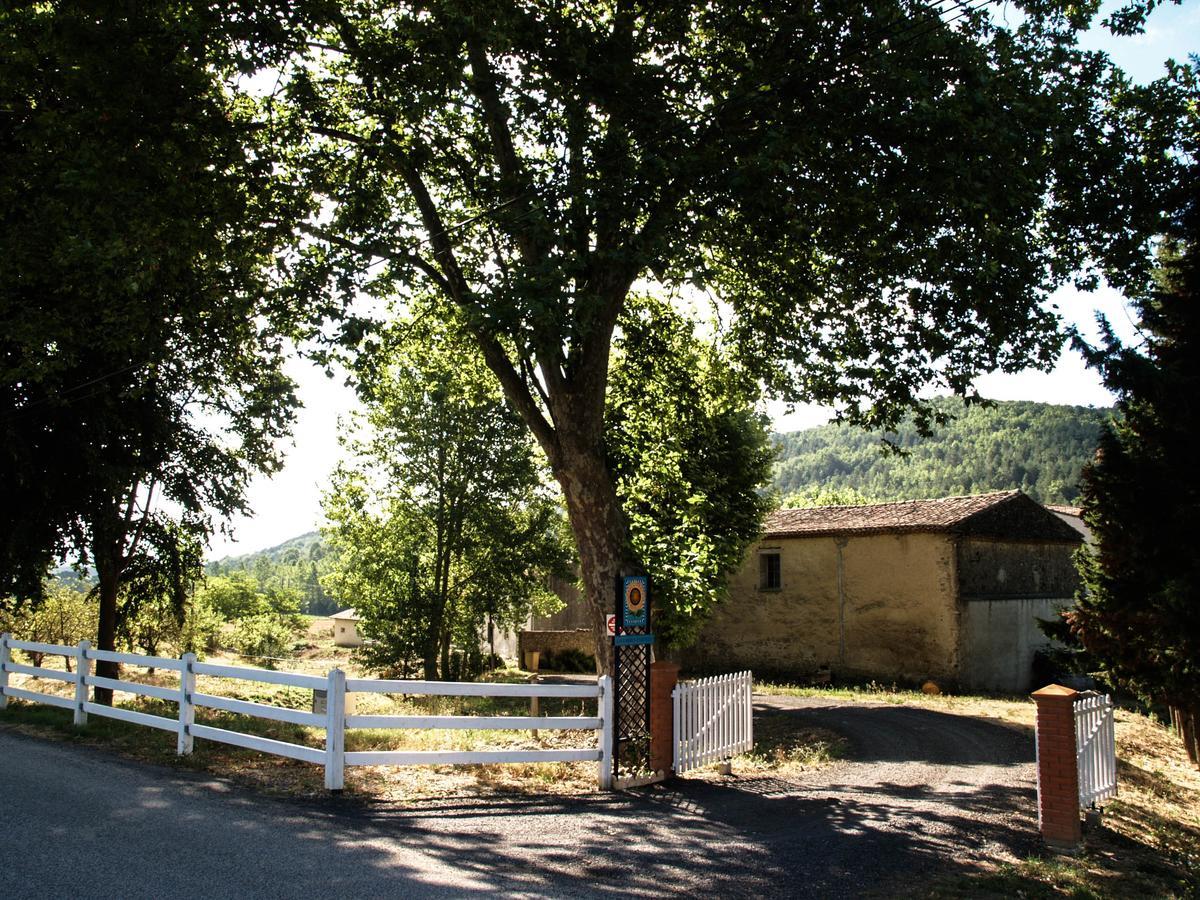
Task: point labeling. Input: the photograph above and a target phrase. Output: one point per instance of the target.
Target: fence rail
(334, 720)
(713, 720)
(1095, 748)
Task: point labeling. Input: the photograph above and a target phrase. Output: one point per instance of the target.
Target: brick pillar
(663, 677)
(1058, 774)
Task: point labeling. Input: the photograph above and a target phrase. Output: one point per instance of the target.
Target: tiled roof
(346, 614)
(944, 515)
(1065, 510)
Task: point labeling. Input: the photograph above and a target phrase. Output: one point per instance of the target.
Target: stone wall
(555, 641)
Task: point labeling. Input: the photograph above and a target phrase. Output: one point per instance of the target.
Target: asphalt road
(924, 792)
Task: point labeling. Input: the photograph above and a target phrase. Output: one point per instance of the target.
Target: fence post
(83, 669)
(663, 678)
(335, 731)
(607, 727)
(5, 658)
(1057, 767)
(185, 743)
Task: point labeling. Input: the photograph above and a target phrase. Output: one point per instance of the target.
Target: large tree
(883, 195)
(140, 332)
(1138, 613)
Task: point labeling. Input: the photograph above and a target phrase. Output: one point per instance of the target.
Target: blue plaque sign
(636, 600)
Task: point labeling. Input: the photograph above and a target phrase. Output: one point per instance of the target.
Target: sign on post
(636, 600)
(631, 674)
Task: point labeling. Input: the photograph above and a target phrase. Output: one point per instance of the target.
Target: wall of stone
(993, 569)
(877, 606)
(556, 641)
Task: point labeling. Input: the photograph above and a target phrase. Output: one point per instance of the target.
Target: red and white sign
(611, 622)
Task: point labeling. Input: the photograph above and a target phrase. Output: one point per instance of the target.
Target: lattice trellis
(631, 678)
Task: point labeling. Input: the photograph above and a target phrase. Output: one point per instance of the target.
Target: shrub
(264, 636)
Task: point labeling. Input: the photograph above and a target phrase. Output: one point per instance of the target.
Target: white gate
(1095, 748)
(712, 720)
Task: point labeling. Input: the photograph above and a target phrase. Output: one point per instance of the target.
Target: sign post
(632, 641)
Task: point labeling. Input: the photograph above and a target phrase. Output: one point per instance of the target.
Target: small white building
(345, 629)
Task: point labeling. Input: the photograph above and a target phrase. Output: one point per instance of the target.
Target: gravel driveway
(923, 792)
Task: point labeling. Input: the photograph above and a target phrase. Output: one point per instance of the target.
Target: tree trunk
(429, 658)
(601, 536)
(106, 633)
(1187, 725)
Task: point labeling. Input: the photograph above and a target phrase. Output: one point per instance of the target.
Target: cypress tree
(1138, 611)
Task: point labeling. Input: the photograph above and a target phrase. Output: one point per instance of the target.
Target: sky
(289, 503)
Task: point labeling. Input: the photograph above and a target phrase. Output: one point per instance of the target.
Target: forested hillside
(1037, 447)
(293, 567)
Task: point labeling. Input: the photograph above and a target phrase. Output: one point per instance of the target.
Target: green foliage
(141, 324)
(822, 496)
(569, 660)
(65, 617)
(1036, 447)
(238, 596)
(880, 196)
(293, 568)
(440, 523)
(1139, 610)
(691, 455)
(201, 628)
(267, 636)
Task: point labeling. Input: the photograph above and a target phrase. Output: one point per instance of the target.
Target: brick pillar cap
(1055, 692)
(662, 665)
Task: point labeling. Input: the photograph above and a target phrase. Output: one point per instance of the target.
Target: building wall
(879, 606)
(574, 613)
(345, 633)
(1005, 587)
(993, 569)
(999, 640)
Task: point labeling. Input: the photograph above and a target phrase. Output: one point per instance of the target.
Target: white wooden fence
(334, 720)
(1095, 748)
(713, 720)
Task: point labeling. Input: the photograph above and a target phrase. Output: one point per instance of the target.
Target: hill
(1037, 447)
(294, 567)
(302, 544)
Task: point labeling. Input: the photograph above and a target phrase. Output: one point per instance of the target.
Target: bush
(264, 636)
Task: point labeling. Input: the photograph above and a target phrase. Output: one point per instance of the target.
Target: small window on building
(770, 573)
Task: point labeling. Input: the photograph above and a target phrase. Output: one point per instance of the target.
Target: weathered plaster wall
(1005, 587)
(999, 640)
(345, 633)
(886, 611)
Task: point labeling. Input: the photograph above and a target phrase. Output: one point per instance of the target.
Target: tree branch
(496, 116)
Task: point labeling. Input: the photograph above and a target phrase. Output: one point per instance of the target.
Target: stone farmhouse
(948, 590)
